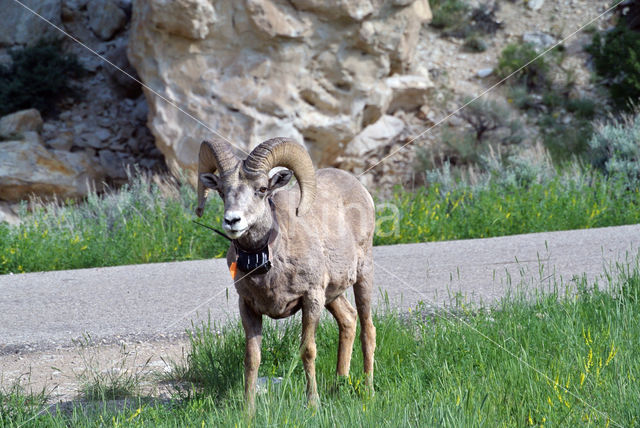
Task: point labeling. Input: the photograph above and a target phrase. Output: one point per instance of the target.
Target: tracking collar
(256, 262)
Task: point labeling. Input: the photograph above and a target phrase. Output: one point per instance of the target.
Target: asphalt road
(51, 309)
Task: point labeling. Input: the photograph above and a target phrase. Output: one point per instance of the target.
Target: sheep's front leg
(362, 291)
(311, 311)
(252, 324)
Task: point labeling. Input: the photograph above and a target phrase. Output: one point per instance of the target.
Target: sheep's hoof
(313, 401)
(371, 392)
(249, 409)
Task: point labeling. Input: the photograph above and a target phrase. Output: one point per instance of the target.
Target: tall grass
(150, 220)
(557, 360)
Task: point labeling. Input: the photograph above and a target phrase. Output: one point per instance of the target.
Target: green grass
(464, 367)
(151, 221)
(559, 203)
(147, 221)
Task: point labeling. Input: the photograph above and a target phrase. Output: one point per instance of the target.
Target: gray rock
(49, 128)
(21, 27)
(63, 141)
(148, 163)
(141, 110)
(539, 40)
(88, 139)
(484, 72)
(105, 18)
(102, 134)
(133, 145)
(75, 4)
(112, 164)
(535, 4)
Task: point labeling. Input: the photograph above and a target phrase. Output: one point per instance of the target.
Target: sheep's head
(245, 186)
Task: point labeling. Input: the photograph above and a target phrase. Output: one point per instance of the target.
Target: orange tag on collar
(232, 269)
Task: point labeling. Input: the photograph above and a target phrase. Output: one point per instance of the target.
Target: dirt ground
(61, 373)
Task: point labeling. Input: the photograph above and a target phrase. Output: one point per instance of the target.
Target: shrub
(38, 77)
(475, 44)
(520, 97)
(489, 118)
(449, 13)
(514, 56)
(457, 19)
(565, 139)
(615, 149)
(616, 56)
(584, 108)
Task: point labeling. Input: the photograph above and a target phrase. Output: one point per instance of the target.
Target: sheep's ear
(279, 179)
(209, 180)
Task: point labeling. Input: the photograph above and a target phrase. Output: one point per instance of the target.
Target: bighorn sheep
(292, 257)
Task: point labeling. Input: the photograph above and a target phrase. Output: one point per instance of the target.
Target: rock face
(319, 71)
(22, 27)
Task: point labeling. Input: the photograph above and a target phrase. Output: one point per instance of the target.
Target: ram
(294, 248)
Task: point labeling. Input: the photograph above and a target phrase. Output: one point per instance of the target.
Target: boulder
(21, 121)
(28, 168)
(105, 18)
(317, 71)
(22, 27)
(375, 135)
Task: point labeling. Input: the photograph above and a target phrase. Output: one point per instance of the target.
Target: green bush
(584, 108)
(38, 77)
(565, 140)
(514, 56)
(475, 44)
(616, 56)
(449, 13)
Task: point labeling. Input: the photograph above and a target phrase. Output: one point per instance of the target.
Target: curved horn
(289, 154)
(214, 155)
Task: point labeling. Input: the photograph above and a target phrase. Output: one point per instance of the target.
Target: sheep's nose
(231, 218)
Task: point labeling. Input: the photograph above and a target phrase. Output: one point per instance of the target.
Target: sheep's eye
(262, 190)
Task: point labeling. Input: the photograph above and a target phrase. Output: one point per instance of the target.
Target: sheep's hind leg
(311, 311)
(252, 324)
(362, 291)
(345, 316)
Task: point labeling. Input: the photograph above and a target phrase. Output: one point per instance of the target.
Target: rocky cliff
(318, 71)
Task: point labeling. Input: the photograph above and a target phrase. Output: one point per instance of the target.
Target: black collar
(252, 261)
(257, 262)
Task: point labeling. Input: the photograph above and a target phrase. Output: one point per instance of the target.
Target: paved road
(41, 310)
